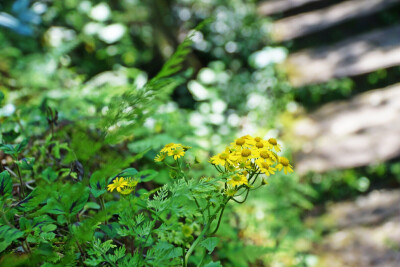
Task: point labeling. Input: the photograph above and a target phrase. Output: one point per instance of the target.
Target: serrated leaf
(6, 185)
(147, 175)
(97, 184)
(129, 172)
(21, 146)
(32, 201)
(8, 235)
(26, 163)
(210, 243)
(111, 229)
(49, 175)
(7, 149)
(69, 200)
(213, 264)
(10, 136)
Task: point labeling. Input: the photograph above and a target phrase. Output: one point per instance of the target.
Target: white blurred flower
(268, 56)
(55, 36)
(218, 106)
(92, 28)
(7, 110)
(112, 33)
(216, 119)
(233, 120)
(198, 91)
(207, 76)
(100, 12)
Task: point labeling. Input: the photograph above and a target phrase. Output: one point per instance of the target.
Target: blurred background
(320, 75)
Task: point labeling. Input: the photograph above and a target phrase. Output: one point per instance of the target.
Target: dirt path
(364, 232)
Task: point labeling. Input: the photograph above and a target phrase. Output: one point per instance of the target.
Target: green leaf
(118, 254)
(92, 205)
(70, 199)
(213, 264)
(33, 200)
(21, 146)
(129, 172)
(210, 243)
(147, 175)
(8, 235)
(10, 136)
(49, 175)
(110, 229)
(5, 185)
(97, 184)
(7, 149)
(78, 201)
(26, 163)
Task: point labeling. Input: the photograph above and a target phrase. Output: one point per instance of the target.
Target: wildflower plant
(72, 194)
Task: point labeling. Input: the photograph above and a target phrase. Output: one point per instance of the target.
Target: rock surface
(313, 21)
(366, 232)
(346, 134)
(354, 56)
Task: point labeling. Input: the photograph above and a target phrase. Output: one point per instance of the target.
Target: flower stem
(195, 243)
(21, 182)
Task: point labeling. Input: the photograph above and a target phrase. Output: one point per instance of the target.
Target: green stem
(21, 182)
(151, 211)
(245, 198)
(187, 181)
(202, 258)
(183, 257)
(219, 220)
(195, 243)
(205, 230)
(103, 207)
(145, 241)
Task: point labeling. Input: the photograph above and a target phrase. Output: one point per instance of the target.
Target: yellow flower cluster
(123, 185)
(247, 157)
(173, 150)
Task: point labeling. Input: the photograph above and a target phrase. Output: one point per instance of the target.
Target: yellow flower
(243, 142)
(132, 182)
(223, 158)
(246, 165)
(284, 163)
(249, 140)
(266, 168)
(118, 184)
(238, 143)
(237, 180)
(177, 153)
(267, 156)
(170, 147)
(186, 147)
(231, 168)
(246, 154)
(274, 144)
(160, 157)
(230, 191)
(126, 190)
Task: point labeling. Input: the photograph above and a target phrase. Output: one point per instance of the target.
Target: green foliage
(210, 243)
(78, 112)
(5, 185)
(8, 235)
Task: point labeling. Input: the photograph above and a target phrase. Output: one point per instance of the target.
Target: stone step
(267, 8)
(364, 232)
(353, 133)
(351, 57)
(306, 23)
